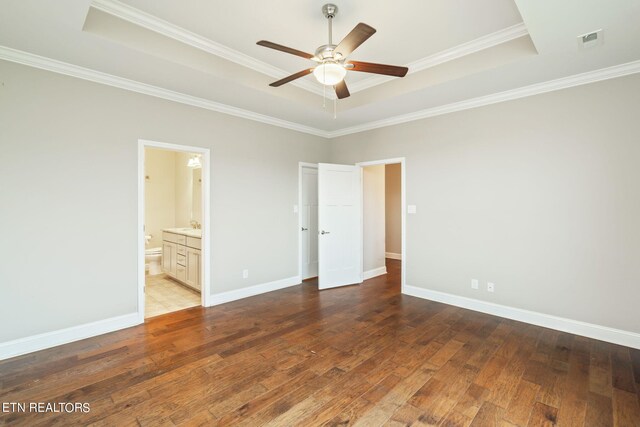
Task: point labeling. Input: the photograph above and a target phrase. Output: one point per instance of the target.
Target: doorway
(381, 218)
(174, 228)
(308, 220)
(340, 226)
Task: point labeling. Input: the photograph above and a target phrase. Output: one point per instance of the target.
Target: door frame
(205, 268)
(403, 215)
(301, 165)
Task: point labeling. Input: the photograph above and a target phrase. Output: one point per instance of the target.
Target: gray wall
(68, 188)
(540, 196)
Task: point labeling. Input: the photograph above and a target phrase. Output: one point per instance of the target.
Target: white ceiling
(456, 49)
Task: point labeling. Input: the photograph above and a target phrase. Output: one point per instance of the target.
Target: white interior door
(309, 222)
(339, 225)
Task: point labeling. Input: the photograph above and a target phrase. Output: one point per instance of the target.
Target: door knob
(304, 229)
(324, 232)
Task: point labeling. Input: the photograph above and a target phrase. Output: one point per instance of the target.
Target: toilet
(153, 259)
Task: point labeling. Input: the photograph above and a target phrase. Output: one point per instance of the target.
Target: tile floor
(164, 295)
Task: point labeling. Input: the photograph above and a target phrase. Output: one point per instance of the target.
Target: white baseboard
(262, 288)
(392, 255)
(603, 333)
(374, 273)
(63, 336)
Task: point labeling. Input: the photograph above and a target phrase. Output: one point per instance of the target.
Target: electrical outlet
(491, 287)
(474, 284)
(245, 273)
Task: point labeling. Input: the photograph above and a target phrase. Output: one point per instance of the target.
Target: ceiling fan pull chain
(324, 97)
(324, 92)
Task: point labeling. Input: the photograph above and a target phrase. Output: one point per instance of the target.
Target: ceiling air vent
(590, 40)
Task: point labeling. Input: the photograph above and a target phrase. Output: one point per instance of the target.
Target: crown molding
(41, 62)
(477, 45)
(509, 95)
(167, 29)
(60, 67)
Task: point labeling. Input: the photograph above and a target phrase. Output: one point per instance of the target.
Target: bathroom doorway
(173, 217)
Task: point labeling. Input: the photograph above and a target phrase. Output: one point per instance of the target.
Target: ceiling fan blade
(341, 90)
(284, 49)
(355, 38)
(292, 77)
(370, 67)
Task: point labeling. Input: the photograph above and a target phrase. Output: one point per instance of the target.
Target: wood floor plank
(572, 410)
(543, 416)
(622, 369)
(488, 415)
(406, 415)
(599, 410)
(359, 355)
(635, 363)
(522, 402)
(456, 419)
(626, 409)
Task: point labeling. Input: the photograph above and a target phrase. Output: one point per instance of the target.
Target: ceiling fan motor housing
(326, 52)
(330, 10)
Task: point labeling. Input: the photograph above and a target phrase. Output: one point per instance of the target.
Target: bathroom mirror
(196, 195)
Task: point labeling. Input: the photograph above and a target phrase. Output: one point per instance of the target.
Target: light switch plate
(474, 284)
(411, 209)
(295, 208)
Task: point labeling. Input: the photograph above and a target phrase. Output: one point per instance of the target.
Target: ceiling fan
(332, 59)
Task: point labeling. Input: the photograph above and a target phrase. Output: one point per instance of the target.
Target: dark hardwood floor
(363, 355)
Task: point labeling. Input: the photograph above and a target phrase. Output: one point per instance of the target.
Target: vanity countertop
(191, 232)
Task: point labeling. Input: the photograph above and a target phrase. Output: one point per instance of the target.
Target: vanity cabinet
(193, 268)
(181, 258)
(169, 258)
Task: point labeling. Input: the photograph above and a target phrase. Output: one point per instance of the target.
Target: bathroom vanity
(181, 256)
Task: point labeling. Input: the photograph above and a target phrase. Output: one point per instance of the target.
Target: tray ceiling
(455, 50)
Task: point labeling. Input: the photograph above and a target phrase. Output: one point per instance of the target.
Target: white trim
(59, 67)
(603, 333)
(485, 42)
(206, 285)
(67, 69)
(300, 166)
(392, 255)
(403, 196)
(141, 233)
(205, 272)
(224, 297)
(370, 274)
(167, 29)
(64, 336)
(509, 95)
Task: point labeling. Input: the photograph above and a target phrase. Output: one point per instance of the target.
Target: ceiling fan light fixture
(329, 73)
